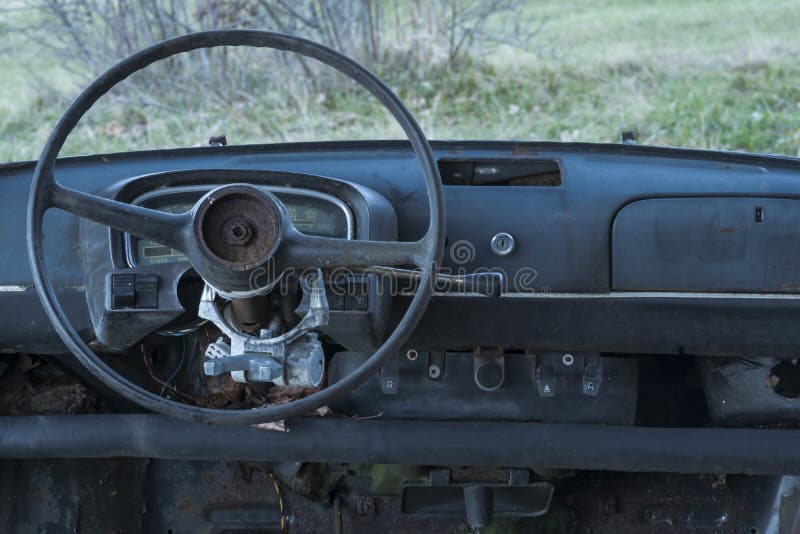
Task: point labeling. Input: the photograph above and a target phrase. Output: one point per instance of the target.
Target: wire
(281, 502)
(194, 326)
(177, 369)
(148, 363)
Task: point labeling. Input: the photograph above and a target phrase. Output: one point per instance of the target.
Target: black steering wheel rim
(44, 186)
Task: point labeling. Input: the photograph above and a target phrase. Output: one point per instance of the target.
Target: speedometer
(312, 213)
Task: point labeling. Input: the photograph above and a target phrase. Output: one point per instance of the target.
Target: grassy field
(712, 74)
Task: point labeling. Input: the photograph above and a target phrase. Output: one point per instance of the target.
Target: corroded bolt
(237, 231)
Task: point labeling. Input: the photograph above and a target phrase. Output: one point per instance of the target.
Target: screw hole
(412, 354)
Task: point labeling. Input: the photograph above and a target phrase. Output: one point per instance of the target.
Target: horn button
(238, 226)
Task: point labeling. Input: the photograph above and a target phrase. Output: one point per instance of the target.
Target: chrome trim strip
(181, 189)
(20, 288)
(14, 288)
(632, 294)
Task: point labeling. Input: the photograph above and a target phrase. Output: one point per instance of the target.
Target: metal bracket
(295, 358)
(480, 501)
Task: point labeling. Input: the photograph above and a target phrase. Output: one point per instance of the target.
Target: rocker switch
(123, 293)
(137, 291)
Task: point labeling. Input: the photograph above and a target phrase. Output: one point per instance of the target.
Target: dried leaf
(284, 394)
(275, 426)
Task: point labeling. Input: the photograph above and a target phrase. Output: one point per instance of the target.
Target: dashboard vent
(519, 173)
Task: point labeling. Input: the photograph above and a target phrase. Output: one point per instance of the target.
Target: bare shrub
(416, 37)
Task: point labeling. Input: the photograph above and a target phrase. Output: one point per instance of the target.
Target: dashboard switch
(138, 291)
(592, 376)
(146, 289)
(390, 378)
(123, 293)
(546, 380)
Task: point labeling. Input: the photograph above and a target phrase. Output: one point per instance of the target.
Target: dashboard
(312, 212)
(615, 239)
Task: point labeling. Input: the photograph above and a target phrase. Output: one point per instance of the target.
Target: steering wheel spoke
(301, 251)
(172, 230)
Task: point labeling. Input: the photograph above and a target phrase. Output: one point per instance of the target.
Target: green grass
(717, 74)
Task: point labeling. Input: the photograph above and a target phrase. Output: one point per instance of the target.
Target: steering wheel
(272, 238)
